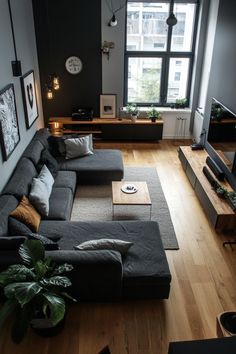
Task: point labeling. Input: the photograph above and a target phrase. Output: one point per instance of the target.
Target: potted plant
(153, 113)
(34, 292)
(133, 110)
(181, 103)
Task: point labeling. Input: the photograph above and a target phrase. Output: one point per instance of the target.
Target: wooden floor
(203, 284)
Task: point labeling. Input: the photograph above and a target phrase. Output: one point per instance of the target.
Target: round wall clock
(73, 65)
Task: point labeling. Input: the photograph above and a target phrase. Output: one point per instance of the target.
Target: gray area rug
(94, 203)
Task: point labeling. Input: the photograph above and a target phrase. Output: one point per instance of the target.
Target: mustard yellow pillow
(26, 213)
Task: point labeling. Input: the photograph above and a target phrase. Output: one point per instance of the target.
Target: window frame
(164, 55)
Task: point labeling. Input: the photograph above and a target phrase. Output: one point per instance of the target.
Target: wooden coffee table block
(141, 197)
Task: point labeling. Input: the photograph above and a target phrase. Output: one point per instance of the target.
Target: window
(158, 58)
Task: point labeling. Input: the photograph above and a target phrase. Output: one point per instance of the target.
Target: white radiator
(197, 126)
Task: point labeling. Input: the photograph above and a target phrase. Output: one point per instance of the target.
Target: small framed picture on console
(108, 106)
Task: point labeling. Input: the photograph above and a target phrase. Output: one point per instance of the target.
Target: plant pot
(44, 328)
(134, 117)
(153, 119)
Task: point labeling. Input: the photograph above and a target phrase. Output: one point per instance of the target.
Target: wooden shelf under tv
(109, 129)
(218, 210)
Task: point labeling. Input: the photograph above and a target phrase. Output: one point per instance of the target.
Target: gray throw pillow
(77, 147)
(105, 244)
(41, 189)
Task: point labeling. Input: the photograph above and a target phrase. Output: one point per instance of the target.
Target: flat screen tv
(222, 135)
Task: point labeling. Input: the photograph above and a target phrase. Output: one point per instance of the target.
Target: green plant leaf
(40, 269)
(62, 269)
(7, 309)
(23, 292)
(16, 273)
(32, 251)
(57, 307)
(57, 281)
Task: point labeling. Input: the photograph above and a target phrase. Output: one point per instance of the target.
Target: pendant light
(55, 82)
(171, 20)
(113, 21)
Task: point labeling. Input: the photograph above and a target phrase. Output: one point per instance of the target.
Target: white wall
(209, 44)
(113, 69)
(26, 51)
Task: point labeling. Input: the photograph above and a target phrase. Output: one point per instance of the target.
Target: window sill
(164, 110)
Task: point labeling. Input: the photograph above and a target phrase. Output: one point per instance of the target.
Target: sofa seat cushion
(103, 166)
(65, 179)
(60, 204)
(20, 182)
(8, 203)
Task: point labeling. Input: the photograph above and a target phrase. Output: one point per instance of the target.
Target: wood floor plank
(203, 279)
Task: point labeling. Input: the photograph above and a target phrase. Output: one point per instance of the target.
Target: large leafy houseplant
(33, 289)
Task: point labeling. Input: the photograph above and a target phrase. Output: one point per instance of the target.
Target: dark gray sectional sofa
(102, 274)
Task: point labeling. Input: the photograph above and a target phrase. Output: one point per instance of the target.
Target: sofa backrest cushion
(42, 135)
(17, 228)
(11, 243)
(33, 151)
(7, 204)
(48, 160)
(20, 182)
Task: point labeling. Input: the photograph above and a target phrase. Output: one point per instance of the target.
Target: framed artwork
(108, 106)
(29, 98)
(9, 129)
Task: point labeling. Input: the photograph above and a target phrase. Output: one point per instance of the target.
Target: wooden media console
(218, 210)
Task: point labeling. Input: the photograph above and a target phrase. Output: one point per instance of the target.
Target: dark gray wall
(26, 50)
(222, 82)
(65, 28)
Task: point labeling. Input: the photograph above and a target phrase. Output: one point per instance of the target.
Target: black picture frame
(29, 98)
(9, 128)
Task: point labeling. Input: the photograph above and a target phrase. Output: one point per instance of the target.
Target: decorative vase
(153, 119)
(44, 328)
(134, 117)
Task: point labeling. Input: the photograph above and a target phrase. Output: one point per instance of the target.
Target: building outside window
(159, 57)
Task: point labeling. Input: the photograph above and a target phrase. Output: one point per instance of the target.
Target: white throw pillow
(41, 190)
(78, 147)
(105, 244)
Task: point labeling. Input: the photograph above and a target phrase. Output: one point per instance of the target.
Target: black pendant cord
(16, 65)
(12, 29)
(111, 7)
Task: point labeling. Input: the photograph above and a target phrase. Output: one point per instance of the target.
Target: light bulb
(49, 93)
(113, 21)
(55, 83)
